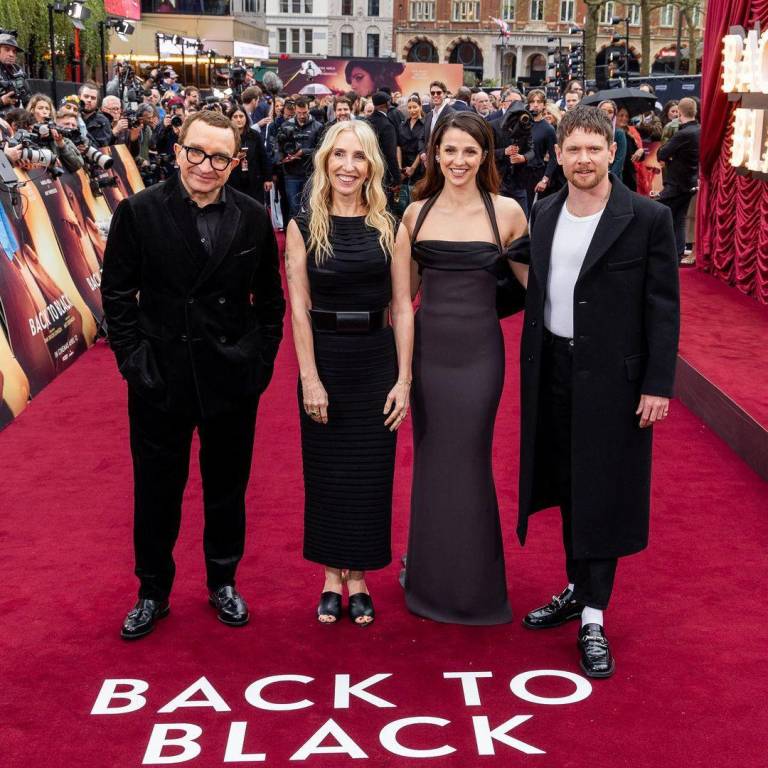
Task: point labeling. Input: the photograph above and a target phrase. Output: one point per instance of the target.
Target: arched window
(423, 51)
(469, 56)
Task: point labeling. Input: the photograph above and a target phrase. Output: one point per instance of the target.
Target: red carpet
(723, 336)
(688, 627)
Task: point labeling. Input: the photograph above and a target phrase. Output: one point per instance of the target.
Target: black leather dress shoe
(231, 607)
(562, 608)
(141, 618)
(596, 657)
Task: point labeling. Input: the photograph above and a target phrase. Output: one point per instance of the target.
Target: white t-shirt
(573, 235)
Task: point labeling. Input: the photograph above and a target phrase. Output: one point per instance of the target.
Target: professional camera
(517, 126)
(73, 134)
(97, 159)
(286, 139)
(212, 103)
(32, 152)
(177, 121)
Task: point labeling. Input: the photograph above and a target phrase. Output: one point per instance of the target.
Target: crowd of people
(470, 205)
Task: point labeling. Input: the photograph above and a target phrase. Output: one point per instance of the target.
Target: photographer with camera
(168, 83)
(97, 124)
(514, 150)
(112, 107)
(46, 134)
(140, 135)
(296, 142)
(14, 90)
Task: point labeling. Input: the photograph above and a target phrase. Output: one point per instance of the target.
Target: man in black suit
(598, 355)
(437, 94)
(681, 157)
(461, 102)
(194, 303)
(387, 136)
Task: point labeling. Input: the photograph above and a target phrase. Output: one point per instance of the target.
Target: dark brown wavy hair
(480, 131)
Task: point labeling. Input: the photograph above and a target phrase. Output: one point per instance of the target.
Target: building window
(607, 12)
(307, 41)
(372, 44)
(466, 10)
(696, 16)
(283, 6)
(295, 41)
(307, 6)
(373, 7)
(422, 10)
(508, 10)
(282, 40)
(537, 10)
(346, 8)
(633, 11)
(566, 10)
(347, 44)
(667, 16)
(295, 6)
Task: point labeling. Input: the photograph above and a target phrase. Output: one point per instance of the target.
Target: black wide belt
(349, 322)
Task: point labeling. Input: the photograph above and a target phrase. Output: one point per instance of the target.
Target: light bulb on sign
(733, 46)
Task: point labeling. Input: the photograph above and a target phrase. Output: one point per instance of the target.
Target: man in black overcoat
(598, 354)
(194, 306)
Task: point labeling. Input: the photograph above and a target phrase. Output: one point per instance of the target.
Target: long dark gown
(455, 567)
(349, 462)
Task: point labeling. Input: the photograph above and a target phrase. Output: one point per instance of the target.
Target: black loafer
(141, 618)
(558, 611)
(596, 657)
(231, 608)
(360, 604)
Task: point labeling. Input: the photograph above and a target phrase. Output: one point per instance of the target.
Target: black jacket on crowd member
(99, 128)
(681, 156)
(385, 133)
(513, 176)
(181, 321)
(544, 140)
(396, 117)
(446, 110)
(254, 169)
(629, 174)
(626, 324)
(461, 106)
(305, 138)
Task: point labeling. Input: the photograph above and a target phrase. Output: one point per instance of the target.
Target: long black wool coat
(626, 325)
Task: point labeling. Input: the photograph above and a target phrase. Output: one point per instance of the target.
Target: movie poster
(366, 76)
(14, 385)
(75, 240)
(124, 167)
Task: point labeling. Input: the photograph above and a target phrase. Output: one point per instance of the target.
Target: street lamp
(122, 29)
(618, 20)
(77, 13)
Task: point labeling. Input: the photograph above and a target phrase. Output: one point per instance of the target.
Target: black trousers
(161, 443)
(592, 578)
(678, 204)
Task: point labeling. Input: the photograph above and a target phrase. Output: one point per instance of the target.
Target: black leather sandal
(360, 605)
(330, 605)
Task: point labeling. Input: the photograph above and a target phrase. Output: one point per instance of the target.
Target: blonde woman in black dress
(457, 233)
(353, 331)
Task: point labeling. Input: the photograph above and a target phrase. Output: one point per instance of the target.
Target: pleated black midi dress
(349, 462)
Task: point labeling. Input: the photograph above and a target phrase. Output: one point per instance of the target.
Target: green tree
(30, 19)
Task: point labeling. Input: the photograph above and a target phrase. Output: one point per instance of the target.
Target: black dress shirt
(207, 218)
(411, 140)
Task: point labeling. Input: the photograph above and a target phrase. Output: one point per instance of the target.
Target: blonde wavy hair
(320, 197)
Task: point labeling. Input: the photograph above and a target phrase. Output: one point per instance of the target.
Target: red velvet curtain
(731, 234)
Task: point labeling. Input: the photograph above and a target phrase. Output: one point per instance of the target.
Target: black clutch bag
(510, 295)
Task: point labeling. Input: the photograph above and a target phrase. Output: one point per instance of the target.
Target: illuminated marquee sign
(745, 79)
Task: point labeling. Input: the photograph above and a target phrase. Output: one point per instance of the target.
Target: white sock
(591, 616)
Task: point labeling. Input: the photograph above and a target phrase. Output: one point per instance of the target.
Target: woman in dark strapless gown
(455, 565)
